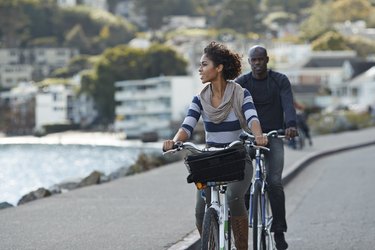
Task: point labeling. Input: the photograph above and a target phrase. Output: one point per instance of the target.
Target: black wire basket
(225, 165)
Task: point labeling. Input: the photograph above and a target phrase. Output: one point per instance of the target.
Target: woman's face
(207, 70)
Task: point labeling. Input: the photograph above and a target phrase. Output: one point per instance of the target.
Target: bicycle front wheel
(259, 237)
(210, 232)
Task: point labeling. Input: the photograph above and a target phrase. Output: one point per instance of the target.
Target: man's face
(258, 61)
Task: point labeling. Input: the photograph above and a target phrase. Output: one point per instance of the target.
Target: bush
(338, 121)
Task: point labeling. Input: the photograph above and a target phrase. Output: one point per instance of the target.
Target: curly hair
(219, 54)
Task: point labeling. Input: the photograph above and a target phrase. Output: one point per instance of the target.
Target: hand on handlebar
(291, 132)
(261, 140)
(168, 145)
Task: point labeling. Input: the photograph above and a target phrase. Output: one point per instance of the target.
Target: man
(273, 99)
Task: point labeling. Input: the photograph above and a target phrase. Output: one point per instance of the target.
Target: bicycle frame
(219, 203)
(266, 218)
(259, 188)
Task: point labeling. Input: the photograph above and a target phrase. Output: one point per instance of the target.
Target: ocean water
(27, 167)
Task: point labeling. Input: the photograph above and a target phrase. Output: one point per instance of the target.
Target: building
(151, 105)
(361, 91)
(60, 104)
(18, 65)
(12, 75)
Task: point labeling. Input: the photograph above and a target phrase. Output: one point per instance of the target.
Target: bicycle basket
(217, 166)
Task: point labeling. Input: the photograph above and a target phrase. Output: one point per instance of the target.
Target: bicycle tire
(259, 237)
(210, 232)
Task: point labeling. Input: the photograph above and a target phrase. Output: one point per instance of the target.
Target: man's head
(258, 59)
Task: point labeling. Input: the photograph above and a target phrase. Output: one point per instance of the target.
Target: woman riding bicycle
(226, 108)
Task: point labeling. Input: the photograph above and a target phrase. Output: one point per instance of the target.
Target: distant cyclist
(273, 98)
(302, 121)
(225, 108)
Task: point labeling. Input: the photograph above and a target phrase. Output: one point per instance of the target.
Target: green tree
(159, 59)
(125, 63)
(330, 41)
(318, 22)
(351, 10)
(363, 46)
(13, 31)
(240, 15)
(77, 38)
(155, 12)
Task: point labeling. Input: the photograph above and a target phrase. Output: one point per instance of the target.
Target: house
(17, 64)
(13, 74)
(60, 104)
(151, 105)
(361, 91)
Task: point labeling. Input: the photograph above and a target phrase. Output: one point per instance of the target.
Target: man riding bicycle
(273, 99)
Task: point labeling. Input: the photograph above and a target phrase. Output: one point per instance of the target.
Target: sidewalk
(152, 210)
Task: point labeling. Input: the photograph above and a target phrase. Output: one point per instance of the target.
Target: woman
(226, 108)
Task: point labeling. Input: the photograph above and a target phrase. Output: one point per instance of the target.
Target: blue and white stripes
(223, 133)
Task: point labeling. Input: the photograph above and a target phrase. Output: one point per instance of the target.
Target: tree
(126, 63)
(330, 41)
(240, 15)
(351, 10)
(159, 59)
(77, 38)
(318, 22)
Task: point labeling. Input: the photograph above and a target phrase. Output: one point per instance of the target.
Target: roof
(329, 59)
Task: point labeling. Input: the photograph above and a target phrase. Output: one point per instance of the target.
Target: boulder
(34, 195)
(92, 179)
(5, 204)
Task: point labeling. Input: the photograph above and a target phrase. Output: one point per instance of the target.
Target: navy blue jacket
(273, 99)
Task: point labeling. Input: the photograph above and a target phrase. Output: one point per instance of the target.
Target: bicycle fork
(222, 210)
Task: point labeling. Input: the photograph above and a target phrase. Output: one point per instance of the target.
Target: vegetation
(43, 23)
(125, 63)
(339, 121)
(102, 37)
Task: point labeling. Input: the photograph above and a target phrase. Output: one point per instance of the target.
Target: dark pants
(274, 166)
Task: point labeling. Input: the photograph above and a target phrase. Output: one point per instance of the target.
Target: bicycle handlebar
(245, 138)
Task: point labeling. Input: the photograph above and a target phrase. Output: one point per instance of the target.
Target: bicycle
(215, 168)
(260, 216)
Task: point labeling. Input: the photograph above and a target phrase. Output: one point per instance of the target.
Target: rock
(92, 179)
(34, 195)
(5, 204)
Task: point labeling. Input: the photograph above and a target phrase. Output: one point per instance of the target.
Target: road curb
(192, 240)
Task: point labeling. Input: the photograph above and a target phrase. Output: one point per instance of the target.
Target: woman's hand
(261, 140)
(168, 145)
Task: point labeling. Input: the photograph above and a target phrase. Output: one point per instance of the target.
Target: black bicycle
(260, 215)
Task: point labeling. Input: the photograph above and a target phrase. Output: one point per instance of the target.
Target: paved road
(330, 204)
(152, 210)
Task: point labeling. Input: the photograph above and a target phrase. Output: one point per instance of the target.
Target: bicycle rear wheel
(259, 236)
(210, 232)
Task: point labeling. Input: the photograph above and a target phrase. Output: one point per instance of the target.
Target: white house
(52, 106)
(59, 104)
(150, 105)
(361, 90)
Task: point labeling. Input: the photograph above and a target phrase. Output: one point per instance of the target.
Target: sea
(27, 167)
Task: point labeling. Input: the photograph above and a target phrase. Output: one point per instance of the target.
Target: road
(331, 204)
(152, 210)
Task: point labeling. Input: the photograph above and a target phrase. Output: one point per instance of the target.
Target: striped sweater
(222, 134)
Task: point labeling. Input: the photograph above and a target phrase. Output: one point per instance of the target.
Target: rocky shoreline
(143, 163)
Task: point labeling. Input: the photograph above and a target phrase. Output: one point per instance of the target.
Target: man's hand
(291, 132)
